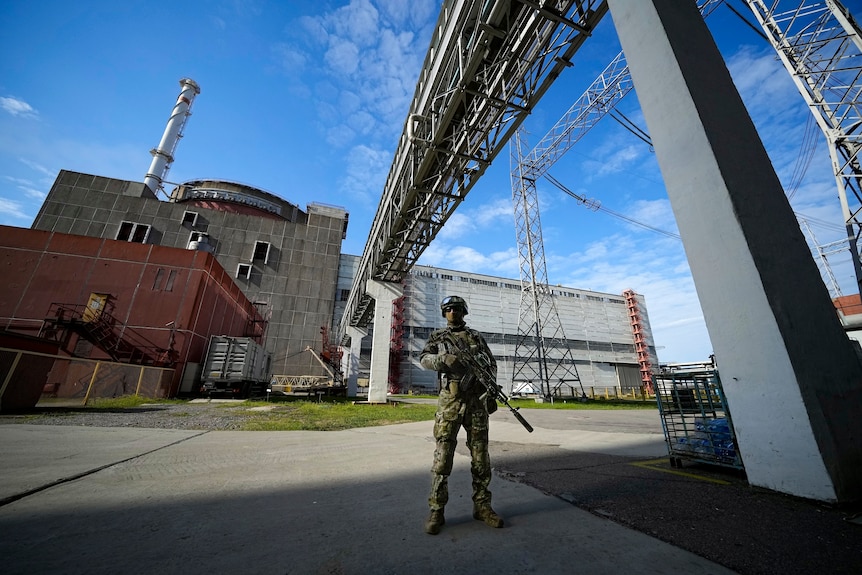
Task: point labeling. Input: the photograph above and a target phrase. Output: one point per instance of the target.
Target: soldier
(460, 403)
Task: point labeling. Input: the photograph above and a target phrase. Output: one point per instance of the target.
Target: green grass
(593, 404)
(126, 401)
(332, 415)
(567, 403)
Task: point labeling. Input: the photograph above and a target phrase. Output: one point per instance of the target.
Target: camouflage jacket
(437, 348)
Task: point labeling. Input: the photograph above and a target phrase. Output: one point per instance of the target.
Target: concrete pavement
(111, 500)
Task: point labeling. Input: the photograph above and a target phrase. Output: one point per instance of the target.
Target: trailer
(236, 367)
(330, 384)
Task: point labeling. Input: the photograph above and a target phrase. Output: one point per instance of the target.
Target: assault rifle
(479, 369)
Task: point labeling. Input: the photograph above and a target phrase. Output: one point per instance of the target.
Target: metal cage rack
(695, 419)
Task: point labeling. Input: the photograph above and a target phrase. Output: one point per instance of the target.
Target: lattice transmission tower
(820, 44)
(542, 354)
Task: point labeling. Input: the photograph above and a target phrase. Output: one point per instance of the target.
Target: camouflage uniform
(458, 406)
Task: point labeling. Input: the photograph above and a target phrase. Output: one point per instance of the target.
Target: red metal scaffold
(640, 345)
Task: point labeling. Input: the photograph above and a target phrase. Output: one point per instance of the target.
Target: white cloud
(357, 21)
(342, 56)
(765, 85)
(35, 194)
(494, 212)
(337, 136)
(620, 160)
(654, 213)
(313, 27)
(417, 12)
(459, 257)
(366, 171)
(477, 218)
(371, 58)
(27, 187)
(37, 167)
(458, 225)
(289, 57)
(13, 209)
(18, 107)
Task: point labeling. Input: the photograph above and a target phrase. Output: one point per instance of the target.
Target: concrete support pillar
(384, 293)
(792, 380)
(350, 364)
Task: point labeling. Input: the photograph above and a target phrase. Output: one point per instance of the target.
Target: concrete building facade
(284, 259)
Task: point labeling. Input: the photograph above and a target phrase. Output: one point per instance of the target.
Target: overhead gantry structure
(488, 65)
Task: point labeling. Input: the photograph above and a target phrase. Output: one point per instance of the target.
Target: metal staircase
(103, 330)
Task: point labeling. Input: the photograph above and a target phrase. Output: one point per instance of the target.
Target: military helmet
(452, 301)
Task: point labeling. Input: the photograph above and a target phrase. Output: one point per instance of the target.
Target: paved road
(586, 493)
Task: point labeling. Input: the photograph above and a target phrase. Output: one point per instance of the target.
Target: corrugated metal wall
(596, 324)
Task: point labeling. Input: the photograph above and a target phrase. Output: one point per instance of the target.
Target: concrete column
(351, 359)
(384, 293)
(792, 380)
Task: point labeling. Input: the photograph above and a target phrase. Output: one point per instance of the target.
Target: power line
(595, 205)
(806, 155)
(631, 127)
(754, 27)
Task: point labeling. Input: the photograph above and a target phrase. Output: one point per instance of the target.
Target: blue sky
(307, 100)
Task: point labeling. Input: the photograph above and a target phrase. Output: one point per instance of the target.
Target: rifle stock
(480, 368)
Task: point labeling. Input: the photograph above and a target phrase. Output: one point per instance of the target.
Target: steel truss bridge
(488, 65)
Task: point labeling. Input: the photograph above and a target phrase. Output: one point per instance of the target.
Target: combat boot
(435, 522)
(486, 514)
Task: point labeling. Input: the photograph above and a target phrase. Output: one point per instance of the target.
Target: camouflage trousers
(453, 412)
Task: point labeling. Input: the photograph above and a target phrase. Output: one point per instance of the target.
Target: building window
(199, 237)
(190, 219)
(132, 232)
(160, 275)
(345, 295)
(243, 271)
(157, 283)
(261, 252)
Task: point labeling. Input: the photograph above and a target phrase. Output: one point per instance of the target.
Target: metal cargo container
(236, 366)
